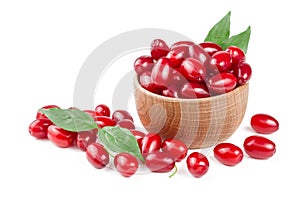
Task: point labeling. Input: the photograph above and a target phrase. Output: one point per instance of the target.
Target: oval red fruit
(265, 124)
(228, 154)
(159, 162)
(97, 155)
(176, 148)
(259, 147)
(197, 164)
(222, 83)
(126, 164)
(60, 137)
(39, 128)
(150, 143)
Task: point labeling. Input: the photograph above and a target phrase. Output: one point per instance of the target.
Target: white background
(42, 48)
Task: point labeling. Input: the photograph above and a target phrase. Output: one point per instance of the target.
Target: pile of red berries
(189, 70)
(159, 155)
(43, 128)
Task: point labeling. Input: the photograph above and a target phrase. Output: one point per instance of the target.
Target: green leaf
(241, 40)
(220, 31)
(118, 140)
(70, 119)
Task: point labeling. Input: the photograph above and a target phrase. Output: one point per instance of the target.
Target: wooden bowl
(199, 123)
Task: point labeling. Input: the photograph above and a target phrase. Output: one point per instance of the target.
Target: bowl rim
(238, 89)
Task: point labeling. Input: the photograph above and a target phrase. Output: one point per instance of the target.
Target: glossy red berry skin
(143, 64)
(264, 124)
(243, 73)
(228, 154)
(197, 164)
(159, 162)
(175, 58)
(180, 43)
(193, 70)
(126, 123)
(137, 134)
(147, 83)
(170, 92)
(85, 138)
(126, 164)
(237, 55)
(60, 137)
(159, 49)
(221, 60)
(162, 72)
(40, 115)
(97, 155)
(120, 115)
(210, 47)
(92, 113)
(259, 147)
(222, 83)
(194, 90)
(102, 110)
(103, 121)
(39, 128)
(198, 53)
(150, 143)
(176, 148)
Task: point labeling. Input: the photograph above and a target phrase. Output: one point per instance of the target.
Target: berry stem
(176, 169)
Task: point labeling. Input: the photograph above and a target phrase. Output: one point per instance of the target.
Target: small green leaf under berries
(220, 31)
(70, 119)
(118, 140)
(241, 40)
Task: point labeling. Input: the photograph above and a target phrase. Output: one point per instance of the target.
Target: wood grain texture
(199, 123)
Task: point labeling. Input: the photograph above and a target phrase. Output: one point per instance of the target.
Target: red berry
(193, 70)
(177, 54)
(210, 47)
(40, 115)
(243, 73)
(182, 49)
(194, 90)
(143, 64)
(150, 143)
(97, 155)
(39, 128)
(102, 110)
(161, 73)
(237, 55)
(176, 148)
(221, 60)
(92, 113)
(265, 124)
(197, 52)
(137, 134)
(126, 123)
(126, 164)
(222, 83)
(85, 138)
(180, 43)
(120, 115)
(197, 164)
(259, 147)
(147, 83)
(175, 59)
(103, 121)
(159, 48)
(170, 92)
(60, 137)
(228, 154)
(159, 162)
